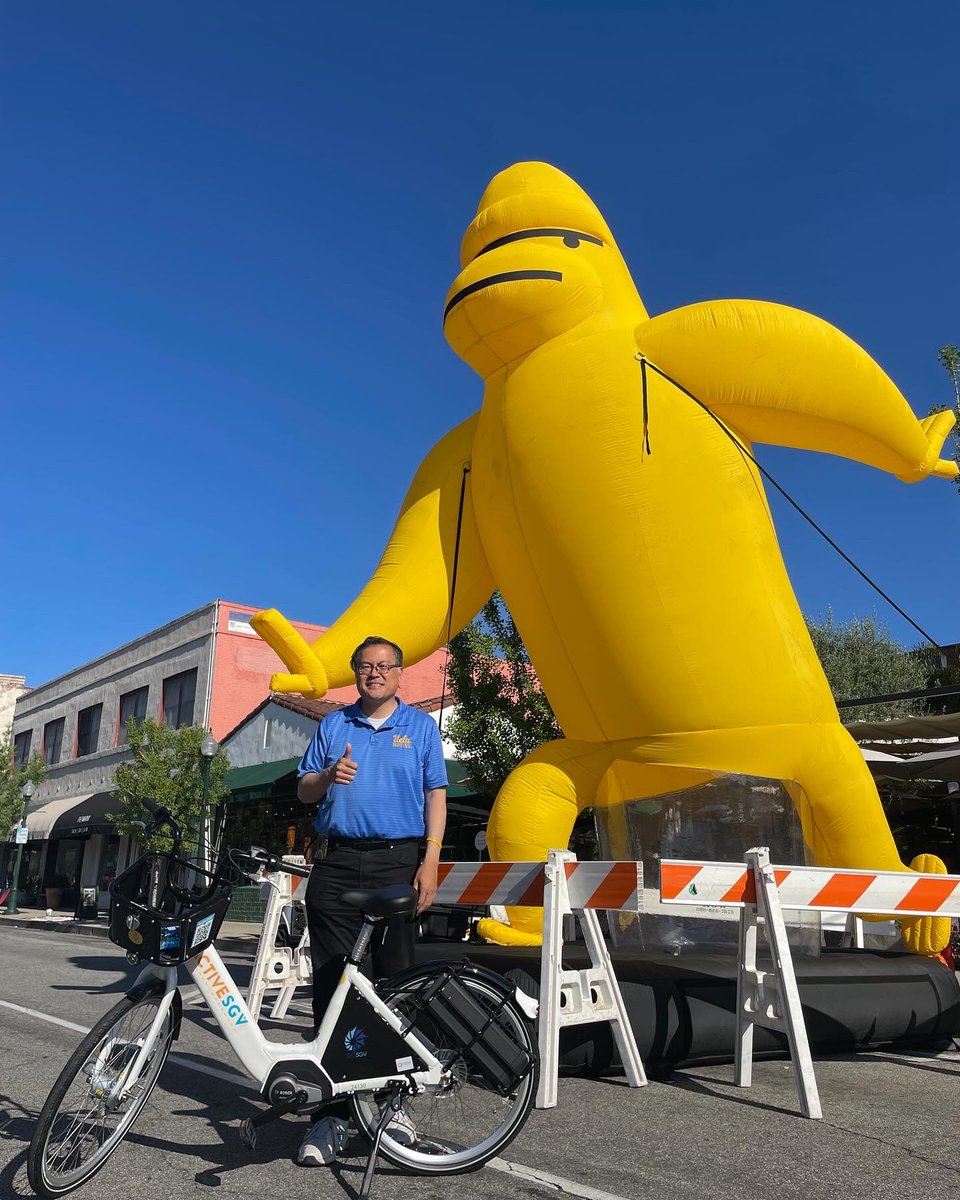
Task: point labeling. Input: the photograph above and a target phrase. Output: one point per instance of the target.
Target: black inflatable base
(682, 1009)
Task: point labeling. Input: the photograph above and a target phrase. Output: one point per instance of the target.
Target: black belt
(335, 842)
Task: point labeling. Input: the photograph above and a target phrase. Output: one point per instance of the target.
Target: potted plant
(54, 890)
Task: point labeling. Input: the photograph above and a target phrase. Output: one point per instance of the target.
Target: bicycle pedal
(248, 1133)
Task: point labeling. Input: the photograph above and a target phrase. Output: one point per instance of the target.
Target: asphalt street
(891, 1123)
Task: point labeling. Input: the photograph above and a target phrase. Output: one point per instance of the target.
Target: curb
(235, 943)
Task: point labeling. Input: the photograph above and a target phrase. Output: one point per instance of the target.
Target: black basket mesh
(148, 918)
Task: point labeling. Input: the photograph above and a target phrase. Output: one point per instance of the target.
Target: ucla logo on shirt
(401, 740)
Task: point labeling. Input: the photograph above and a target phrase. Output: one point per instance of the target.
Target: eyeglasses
(365, 668)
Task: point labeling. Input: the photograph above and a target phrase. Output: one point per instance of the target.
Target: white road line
(32, 1012)
(179, 1059)
(229, 1076)
(566, 1187)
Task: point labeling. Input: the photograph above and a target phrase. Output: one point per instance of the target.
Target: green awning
(459, 785)
(260, 775)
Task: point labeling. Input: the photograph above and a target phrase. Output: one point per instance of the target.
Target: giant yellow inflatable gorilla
(630, 534)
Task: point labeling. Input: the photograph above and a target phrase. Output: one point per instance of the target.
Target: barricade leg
(265, 952)
(748, 986)
(622, 1029)
(852, 938)
(771, 999)
(576, 997)
(551, 965)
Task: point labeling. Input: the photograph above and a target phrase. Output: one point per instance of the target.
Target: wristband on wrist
(439, 845)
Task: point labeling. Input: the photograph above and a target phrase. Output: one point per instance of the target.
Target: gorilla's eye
(571, 238)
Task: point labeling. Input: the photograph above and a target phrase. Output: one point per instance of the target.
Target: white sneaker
(323, 1142)
(401, 1129)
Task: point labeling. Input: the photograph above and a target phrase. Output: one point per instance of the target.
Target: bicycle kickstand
(390, 1111)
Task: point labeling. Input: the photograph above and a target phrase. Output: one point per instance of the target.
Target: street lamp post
(208, 748)
(26, 792)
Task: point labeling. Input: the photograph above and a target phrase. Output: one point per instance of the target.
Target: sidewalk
(235, 936)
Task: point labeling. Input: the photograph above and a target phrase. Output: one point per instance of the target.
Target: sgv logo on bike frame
(355, 1042)
(227, 999)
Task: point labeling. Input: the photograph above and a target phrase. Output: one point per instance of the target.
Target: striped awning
(40, 820)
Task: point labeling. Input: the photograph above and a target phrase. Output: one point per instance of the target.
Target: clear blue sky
(228, 229)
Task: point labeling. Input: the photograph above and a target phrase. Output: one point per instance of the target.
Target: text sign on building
(239, 622)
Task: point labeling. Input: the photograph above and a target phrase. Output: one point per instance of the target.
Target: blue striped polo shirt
(395, 765)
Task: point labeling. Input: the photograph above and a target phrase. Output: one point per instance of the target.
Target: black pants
(334, 926)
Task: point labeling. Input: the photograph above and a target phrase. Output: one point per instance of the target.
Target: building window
(133, 706)
(88, 729)
(52, 741)
(21, 748)
(179, 693)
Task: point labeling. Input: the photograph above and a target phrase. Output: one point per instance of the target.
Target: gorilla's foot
(926, 935)
(506, 935)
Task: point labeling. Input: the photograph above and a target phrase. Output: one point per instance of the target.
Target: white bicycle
(451, 1044)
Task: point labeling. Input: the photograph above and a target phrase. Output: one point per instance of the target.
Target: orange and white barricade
(761, 890)
(562, 885)
(279, 968)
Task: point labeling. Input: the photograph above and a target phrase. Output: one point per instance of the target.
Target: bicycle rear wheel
(464, 1122)
(89, 1110)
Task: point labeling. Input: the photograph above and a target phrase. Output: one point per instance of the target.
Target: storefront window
(282, 827)
(108, 863)
(63, 869)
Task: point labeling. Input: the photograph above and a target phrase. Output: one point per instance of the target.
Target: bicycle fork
(127, 1079)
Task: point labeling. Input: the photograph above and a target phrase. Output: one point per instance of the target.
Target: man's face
(377, 674)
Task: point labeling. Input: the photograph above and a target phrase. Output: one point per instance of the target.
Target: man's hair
(375, 641)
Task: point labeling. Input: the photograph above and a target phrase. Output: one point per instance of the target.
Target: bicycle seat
(391, 901)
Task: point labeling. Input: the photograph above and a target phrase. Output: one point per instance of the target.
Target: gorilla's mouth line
(504, 277)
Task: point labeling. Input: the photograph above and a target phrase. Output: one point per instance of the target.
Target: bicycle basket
(149, 920)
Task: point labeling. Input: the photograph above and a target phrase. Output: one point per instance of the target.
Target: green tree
(502, 712)
(167, 768)
(12, 779)
(860, 658)
(949, 358)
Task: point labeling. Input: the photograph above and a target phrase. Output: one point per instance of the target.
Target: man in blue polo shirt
(376, 770)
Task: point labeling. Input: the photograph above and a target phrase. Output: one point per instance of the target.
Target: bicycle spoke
(462, 1121)
(95, 1108)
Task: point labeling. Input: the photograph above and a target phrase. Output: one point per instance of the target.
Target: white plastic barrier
(563, 886)
(761, 890)
(279, 968)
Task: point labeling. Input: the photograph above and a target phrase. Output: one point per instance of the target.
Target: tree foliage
(167, 767)
(860, 658)
(949, 358)
(502, 712)
(12, 779)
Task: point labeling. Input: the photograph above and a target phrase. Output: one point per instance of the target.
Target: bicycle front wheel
(90, 1109)
(464, 1122)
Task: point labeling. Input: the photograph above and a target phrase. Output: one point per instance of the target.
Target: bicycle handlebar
(271, 862)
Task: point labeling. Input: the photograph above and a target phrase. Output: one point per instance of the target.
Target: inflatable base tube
(682, 1009)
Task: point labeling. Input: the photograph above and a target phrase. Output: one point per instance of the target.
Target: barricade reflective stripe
(518, 884)
(685, 881)
(613, 885)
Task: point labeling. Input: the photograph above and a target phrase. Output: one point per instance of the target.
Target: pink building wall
(243, 665)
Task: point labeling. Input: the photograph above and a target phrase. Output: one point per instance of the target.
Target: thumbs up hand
(344, 769)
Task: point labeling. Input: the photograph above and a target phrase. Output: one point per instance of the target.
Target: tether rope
(645, 362)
